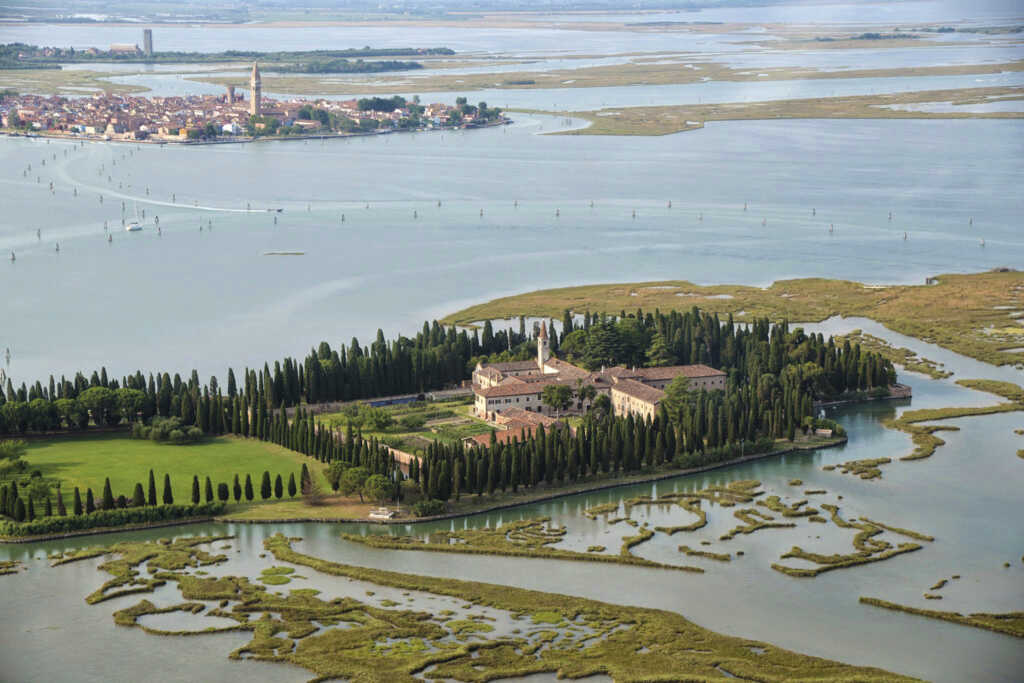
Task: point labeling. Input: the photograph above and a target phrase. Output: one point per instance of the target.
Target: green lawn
(448, 421)
(86, 461)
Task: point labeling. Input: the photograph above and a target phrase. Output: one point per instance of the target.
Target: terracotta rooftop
(638, 390)
(566, 369)
(673, 371)
(513, 366)
(504, 435)
(518, 416)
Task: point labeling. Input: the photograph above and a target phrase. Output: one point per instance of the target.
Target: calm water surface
(209, 299)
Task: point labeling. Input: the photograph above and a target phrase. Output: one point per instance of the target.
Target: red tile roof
(638, 390)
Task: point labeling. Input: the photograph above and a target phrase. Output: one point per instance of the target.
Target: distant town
(230, 117)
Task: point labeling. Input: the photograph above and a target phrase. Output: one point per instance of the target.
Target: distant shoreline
(239, 140)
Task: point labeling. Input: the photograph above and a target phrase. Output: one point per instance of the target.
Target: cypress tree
(278, 487)
(108, 496)
(139, 496)
(237, 489)
(90, 503)
(291, 485)
(195, 490)
(222, 492)
(61, 510)
(208, 489)
(152, 489)
(31, 510)
(248, 487)
(244, 430)
(78, 503)
(168, 497)
(49, 509)
(19, 510)
(304, 477)
(265, 486)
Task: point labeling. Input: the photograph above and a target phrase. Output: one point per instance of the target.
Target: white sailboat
(135, 225)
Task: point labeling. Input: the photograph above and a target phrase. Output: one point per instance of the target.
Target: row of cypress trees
(434, 358)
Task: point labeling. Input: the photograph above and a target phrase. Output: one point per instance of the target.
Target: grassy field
(970, 314)
(64, 82)
(86, 461)
(445, 421)
(665, 120)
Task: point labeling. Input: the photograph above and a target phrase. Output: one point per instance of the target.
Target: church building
(498, 387)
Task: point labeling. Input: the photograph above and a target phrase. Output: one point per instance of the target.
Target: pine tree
(265, 486)
(291, 485)
(168, 497)
(138, 496)
(278, 487)
(237, 489)
(195, 490)
(77, 508)
(152, 489)
(108, 496)
(208, 490)
(248, 487)
(90, 503)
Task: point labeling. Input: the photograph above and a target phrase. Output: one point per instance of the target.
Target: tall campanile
(255, 89)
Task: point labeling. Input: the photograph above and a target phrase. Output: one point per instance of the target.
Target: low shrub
(104, 518)
(428, 508)
(166, 430)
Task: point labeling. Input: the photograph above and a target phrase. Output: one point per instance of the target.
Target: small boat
(284, 253)
(135, 225)
(12, 257)
(381, 513)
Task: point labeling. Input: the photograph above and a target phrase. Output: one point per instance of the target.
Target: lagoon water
(209, 299)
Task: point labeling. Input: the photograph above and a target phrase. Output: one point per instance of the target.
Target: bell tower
(543, 347)
(255, 91)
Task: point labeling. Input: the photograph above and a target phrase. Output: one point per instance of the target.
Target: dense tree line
(710, 427)
(104, 518)
(437, 357)
(775, 375)
(434, 358)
